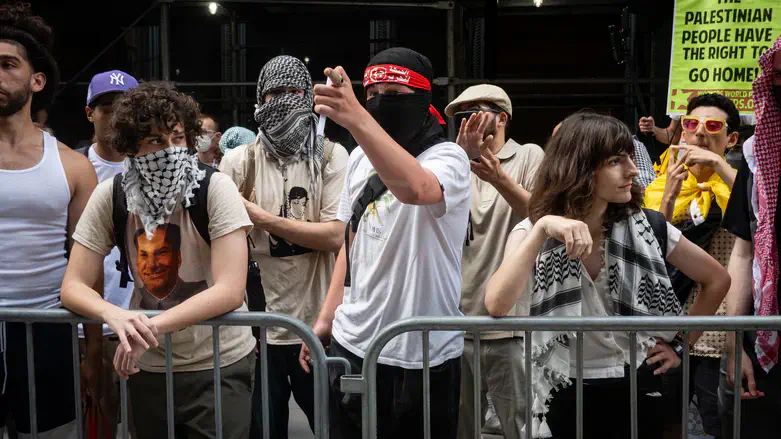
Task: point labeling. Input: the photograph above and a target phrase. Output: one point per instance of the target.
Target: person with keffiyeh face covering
(291, 179)
(406, 203)
(752, 215)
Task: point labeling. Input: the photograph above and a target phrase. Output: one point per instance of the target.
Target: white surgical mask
(203, 143)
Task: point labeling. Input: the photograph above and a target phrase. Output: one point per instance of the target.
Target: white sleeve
(345, 211)
(450, 165)
(673, 236)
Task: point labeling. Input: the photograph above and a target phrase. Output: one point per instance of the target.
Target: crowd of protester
(163, 211)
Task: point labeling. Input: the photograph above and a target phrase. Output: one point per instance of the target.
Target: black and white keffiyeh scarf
(154, 183)
(287, 122)
(638, 285)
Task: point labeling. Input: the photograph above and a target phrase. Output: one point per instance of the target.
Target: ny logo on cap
(117, 79)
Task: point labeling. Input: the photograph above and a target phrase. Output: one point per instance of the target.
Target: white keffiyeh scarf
(154, 183)
(638, 285)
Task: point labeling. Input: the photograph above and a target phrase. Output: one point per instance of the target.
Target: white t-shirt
(111, 290)
(405, 261)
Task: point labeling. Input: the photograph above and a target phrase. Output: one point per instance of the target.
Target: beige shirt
(295, 279)
(165, 276)
(491, 220)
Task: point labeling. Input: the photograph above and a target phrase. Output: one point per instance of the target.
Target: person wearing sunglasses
(694, 184)
(502, 175)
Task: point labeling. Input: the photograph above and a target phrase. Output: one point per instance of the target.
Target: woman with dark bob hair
(588, 249)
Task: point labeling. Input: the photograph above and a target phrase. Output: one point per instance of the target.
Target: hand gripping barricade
(366, 383)
(255, 319)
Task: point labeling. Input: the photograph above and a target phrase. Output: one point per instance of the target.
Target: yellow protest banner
(715, 48)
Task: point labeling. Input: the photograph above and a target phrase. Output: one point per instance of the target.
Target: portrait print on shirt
(158, 261)
(293, 207)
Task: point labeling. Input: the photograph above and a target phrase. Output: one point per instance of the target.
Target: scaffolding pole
(234, 67)
(386, 4)
(165, 55)
(451, 66)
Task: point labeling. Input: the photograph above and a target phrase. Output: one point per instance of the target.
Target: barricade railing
(366, 383)
(319, 364)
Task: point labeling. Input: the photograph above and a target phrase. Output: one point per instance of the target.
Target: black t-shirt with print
(739, 217)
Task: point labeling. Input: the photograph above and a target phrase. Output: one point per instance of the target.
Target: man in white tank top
(97, 370)
(44, 186)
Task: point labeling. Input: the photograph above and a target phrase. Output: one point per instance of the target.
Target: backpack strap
(372, 191)
(85, 150)
(119, 218)
(199, 213)
(659, 224)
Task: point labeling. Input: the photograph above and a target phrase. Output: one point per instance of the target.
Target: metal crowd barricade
(366, 383)
(319, 365)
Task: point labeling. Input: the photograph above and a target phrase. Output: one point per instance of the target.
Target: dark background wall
(561, 40)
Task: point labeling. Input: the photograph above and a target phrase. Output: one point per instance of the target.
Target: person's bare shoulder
(78, 168)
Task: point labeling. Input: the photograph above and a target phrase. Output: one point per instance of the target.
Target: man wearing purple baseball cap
(101, 382)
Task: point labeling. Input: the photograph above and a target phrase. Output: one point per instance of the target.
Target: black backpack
(199, 216)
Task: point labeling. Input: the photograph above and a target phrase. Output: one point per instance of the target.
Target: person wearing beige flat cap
(503, 171)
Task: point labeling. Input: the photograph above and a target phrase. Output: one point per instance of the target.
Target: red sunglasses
(713, 125)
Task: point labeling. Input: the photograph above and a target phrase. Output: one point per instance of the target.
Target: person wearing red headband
(406, 203)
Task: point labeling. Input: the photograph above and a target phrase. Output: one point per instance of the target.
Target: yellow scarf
(691, 190)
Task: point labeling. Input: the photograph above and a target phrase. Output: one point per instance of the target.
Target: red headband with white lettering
(399, 75)
(395, 74)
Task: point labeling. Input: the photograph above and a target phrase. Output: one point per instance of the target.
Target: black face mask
(777, 93)
(403, 117)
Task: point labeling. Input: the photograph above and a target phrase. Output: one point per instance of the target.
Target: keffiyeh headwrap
(287, 122)
(154, 183)
(638, 285)
(767, 151)
(235, 136)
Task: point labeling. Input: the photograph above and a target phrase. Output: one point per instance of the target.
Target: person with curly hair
(192, 273)
(588, 249)
(44, 186)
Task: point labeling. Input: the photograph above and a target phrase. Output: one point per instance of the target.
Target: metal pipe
(437, 5)
(264, 384)
(468, 324)
(548, 81)
(77, 377)
(738, 377)
(31, 382)
(123, 408)
(579, 388)
(234, 67)
(165, 56)
(443, 82)
(451, 69)
(426, 388)
(217, 382)
(476, 384)
(633, 383)
(685, 392)
(169, 386)
(527, 348)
